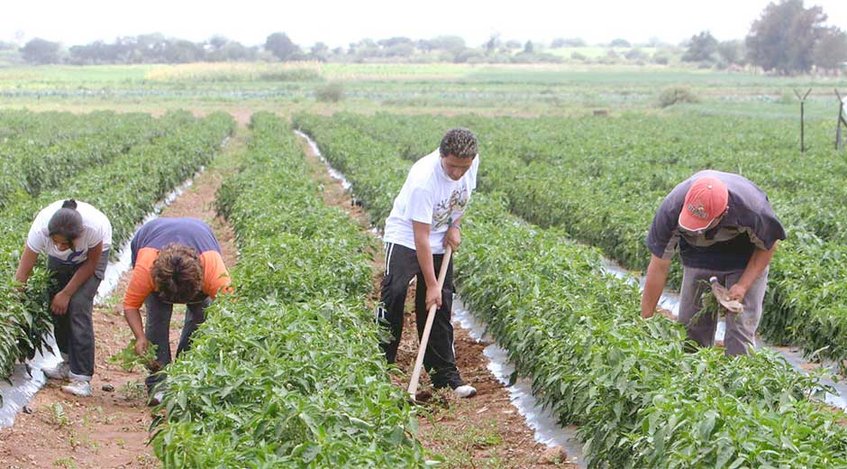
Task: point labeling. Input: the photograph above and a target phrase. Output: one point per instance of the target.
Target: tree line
(787, 38)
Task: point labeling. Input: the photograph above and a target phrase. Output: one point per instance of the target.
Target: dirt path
(484, 431)
(110, 428)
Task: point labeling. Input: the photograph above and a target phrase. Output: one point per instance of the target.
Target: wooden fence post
(802, 118)
(842, 120)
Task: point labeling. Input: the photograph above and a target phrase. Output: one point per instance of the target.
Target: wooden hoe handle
(430, 317)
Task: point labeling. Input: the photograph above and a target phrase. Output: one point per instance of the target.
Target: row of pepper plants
(602, 180)
(639, 398)
(126, 189)
(40, 150)
(286, 371)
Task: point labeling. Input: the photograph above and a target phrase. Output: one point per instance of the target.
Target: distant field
(596, 52)
(549, 89)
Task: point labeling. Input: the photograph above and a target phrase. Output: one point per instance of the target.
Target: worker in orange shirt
(175, 261)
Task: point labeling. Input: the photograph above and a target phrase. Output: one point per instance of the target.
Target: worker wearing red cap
(724, 226)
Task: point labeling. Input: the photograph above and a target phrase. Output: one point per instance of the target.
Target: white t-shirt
(96, 228)
(429, 196)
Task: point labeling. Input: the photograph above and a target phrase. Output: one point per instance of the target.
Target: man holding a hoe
(424, 220)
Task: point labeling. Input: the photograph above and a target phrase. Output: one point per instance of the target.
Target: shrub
(331, 92)
(676, 95)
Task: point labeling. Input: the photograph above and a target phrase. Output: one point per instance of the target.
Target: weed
(59, 417)
(66, 462)
(133, 390)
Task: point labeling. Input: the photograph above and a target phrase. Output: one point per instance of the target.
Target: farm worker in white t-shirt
(424, 220)
(76, 238)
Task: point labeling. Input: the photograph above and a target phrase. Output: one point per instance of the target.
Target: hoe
(423, 396)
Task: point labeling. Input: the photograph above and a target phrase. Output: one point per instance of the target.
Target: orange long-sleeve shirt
(154, 236)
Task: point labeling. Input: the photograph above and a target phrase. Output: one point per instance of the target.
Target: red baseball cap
(706, 200)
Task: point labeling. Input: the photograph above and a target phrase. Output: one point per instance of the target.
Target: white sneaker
(61, 371)
(156, 399)
(78, 388)
(465, 391)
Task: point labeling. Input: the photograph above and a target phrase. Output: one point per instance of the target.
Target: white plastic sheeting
(332, 171)
(541, 420)
(24, 385)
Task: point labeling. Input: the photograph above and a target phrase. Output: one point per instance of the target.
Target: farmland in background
(561, 89)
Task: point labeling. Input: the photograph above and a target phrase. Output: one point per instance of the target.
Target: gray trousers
(740, 328)
(74, 330)
(157, 330)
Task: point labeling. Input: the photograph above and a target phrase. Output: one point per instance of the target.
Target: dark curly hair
(459, 142)
(177, 273)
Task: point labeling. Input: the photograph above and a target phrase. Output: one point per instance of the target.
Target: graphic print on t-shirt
(443, 210)
(73, 255)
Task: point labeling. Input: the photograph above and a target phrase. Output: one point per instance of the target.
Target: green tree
(492, 44)
(703, 47)
(784, 37)
(397, 47)
(831, 49)
(183, 51)
(221, 49)
(281, 46)
(567, 42)
(731, 52)
(452, 44)
(41, 51)
(319, 51)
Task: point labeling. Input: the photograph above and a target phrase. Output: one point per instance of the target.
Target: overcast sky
(338, 23)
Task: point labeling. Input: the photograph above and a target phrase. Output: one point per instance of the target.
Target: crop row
(602, 180)
(639, 398)
(39, 151)
(125, 189)
(286, 371)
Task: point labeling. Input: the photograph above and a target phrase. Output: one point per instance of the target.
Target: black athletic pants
(401, 265)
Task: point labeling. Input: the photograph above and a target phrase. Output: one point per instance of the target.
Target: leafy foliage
(287, 372)
(128, 359)
(602, 180)
(639, 398)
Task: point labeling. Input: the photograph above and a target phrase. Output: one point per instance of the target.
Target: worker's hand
(647, 314)
(59, 305)
(453, 238)
(433, 297)
(737, 292)
(141, 346)
(665, 313)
